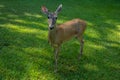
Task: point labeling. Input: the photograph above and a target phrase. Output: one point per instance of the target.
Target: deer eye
(55, 17)
(48, 17)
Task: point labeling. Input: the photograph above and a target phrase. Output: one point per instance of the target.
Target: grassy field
(26, 55)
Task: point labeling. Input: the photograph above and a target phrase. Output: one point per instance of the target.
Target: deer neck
(52, 35)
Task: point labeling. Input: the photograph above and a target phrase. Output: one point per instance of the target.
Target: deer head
(52, 16)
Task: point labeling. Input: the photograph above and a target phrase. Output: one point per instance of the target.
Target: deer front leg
(81, 48)
(56, 52)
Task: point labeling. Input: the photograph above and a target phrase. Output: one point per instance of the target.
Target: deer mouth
(51, 28)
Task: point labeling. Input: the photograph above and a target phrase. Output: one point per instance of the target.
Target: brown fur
(66, 31)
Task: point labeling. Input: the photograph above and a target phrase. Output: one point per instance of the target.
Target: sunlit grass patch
(33, 15)
(21, 28)
(1, 6)
(91, 67)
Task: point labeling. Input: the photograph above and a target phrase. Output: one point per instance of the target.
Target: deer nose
(51, 28)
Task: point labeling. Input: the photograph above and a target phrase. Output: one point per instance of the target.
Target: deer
(58, 34)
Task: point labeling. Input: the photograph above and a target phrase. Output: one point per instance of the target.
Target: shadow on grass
(22, 52)
(19, 52)
(96, 61)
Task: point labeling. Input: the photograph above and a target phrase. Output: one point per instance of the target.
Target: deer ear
(44, 10)
(59, 8)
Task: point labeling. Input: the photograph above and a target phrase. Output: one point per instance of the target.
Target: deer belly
(69, 37)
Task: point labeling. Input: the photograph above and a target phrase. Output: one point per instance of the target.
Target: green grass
(26, 55)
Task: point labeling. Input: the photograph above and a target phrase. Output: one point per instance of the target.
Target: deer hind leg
(81, 46)
(56, 52)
